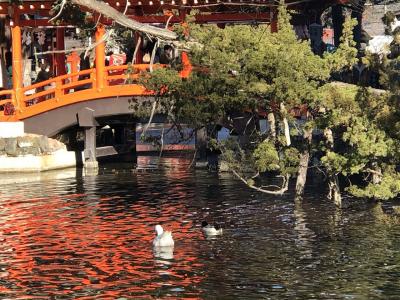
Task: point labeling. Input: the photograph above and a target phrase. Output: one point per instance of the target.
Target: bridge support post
(86, 119)
(90, 148)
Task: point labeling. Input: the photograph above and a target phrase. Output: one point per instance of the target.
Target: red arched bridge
(52, 105)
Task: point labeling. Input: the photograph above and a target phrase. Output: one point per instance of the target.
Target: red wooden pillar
(60, 57)
(73, 61)
(100, 59)
(16, 45)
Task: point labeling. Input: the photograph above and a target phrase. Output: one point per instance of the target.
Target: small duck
(209, 229)
(163, 239)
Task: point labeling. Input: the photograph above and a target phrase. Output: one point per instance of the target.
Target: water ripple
(90, 238)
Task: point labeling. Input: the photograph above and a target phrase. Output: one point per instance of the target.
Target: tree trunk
(272, 125)
(333, 180)
(334, 190)
(285, 125)
(109, 12)
(303, 166)
(376, 174)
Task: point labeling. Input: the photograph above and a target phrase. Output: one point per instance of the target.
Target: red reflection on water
(69, 246)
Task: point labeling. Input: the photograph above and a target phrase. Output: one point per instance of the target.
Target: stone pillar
(90, 148)
(86, 119)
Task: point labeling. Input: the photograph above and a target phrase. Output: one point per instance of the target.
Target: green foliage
(163, 81)
(290, 161)
(364, 143)
(334, 162)
(245, 68)
(263, 158)
(388, 188)
(346, 54)
(238, 159)
(370, 131)
(266, 157)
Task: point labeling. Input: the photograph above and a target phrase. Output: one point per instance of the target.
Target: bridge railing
(71, 88)
(56, 88)
(63, 89)
(6, 99)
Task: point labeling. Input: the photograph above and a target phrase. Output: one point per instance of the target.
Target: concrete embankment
(33, 153)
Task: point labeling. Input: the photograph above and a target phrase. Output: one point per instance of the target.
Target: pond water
(89, 237)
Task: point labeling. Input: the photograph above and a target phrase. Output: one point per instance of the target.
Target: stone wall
(372, 18)
(29, 144)
(32, 153)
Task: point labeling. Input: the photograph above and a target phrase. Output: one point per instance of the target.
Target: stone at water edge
(11, 146)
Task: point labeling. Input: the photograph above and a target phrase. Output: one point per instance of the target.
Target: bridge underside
(54, 121)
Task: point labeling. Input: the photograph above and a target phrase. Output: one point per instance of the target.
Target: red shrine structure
(19, 101)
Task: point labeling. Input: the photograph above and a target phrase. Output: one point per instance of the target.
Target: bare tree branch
(151, 118)
(162, 143)
(193, 159)
(59, 12)
(110, 12)
(281, 191)
(136, 49)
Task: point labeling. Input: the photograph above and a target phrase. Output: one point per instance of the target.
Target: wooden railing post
(58, 89)
(100, 59)
(17, 66)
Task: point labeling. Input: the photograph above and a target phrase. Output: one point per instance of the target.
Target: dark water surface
(89, 237)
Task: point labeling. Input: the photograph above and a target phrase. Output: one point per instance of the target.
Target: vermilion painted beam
(211, 18)
(44, 6)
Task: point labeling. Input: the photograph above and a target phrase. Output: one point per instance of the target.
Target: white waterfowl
(210, 230)
(163, 238)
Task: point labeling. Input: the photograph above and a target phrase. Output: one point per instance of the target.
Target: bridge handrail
(58, 78)
(2, 102)
(5, 93)
(78, 86)
(39, 94)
